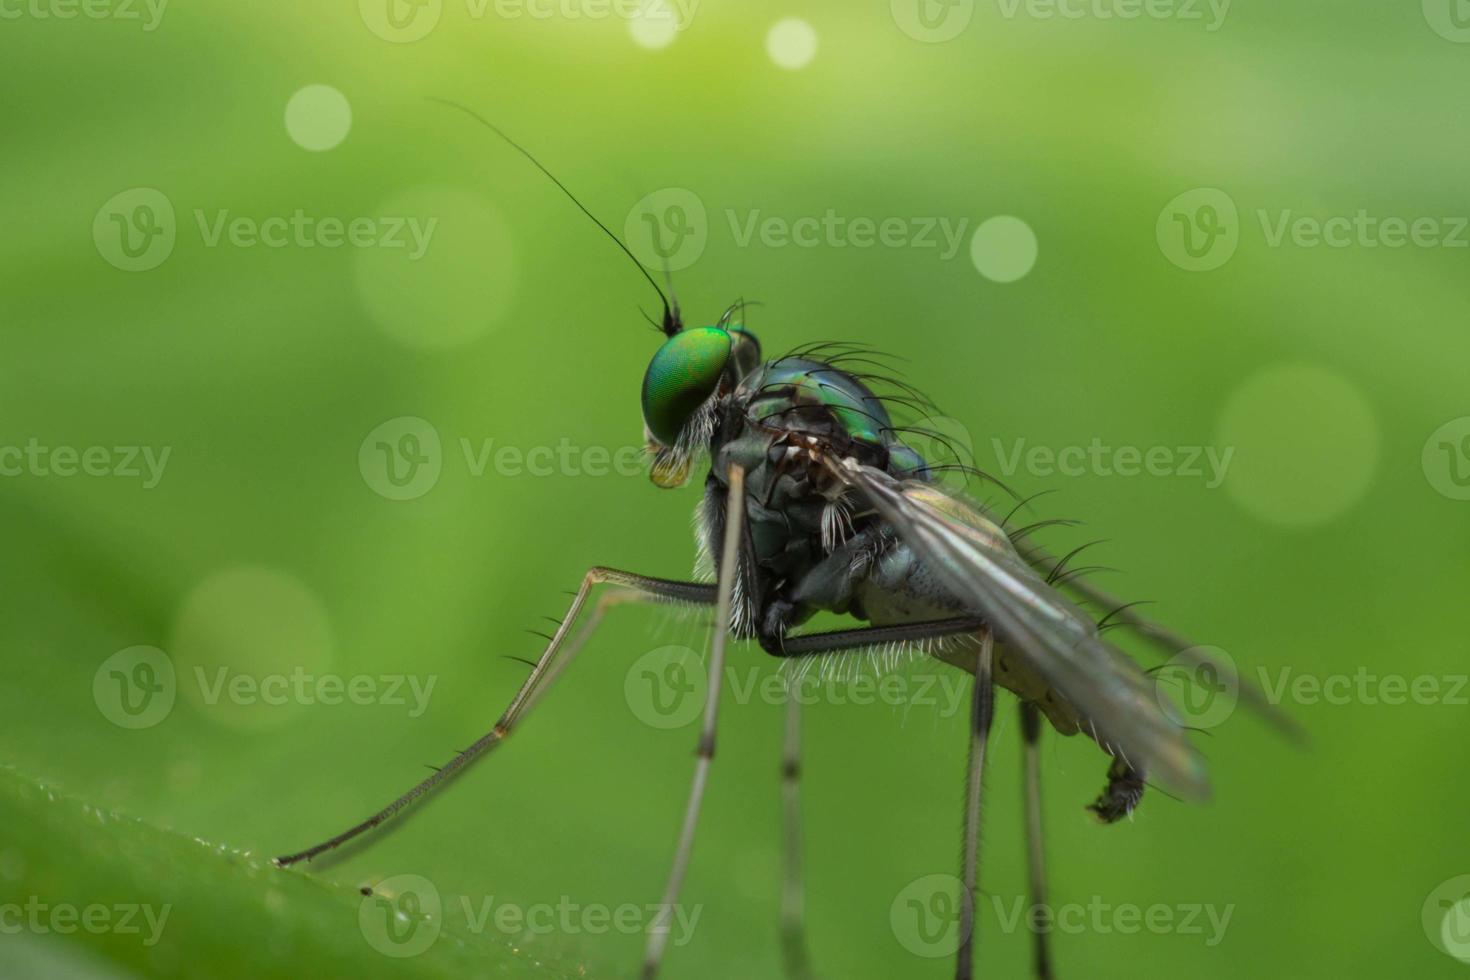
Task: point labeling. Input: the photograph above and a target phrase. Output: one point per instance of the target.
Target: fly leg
(838, 641)
(733, 537)
(981, 715)
(793, 924)
(1035, 853)
(865, 637)
(558, 654)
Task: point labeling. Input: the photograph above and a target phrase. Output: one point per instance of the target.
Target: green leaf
(154, 901)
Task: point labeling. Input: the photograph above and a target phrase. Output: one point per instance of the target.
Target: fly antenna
(672, 324)
(673, 299)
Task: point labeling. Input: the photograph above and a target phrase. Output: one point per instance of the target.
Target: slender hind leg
(793, 914)
(634, 587)
(658, 933)
(1035, 853)
(982, 713)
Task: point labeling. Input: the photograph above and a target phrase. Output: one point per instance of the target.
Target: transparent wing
(1056, 639)
(1178, 647)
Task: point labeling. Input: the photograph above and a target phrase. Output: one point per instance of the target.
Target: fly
(814, 502)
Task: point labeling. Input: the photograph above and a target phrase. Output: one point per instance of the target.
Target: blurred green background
(270, 543)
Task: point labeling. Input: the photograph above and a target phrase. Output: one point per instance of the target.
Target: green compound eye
(682, 375)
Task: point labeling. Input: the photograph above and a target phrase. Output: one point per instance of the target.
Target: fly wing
(1178, 647)
(1058, 640)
